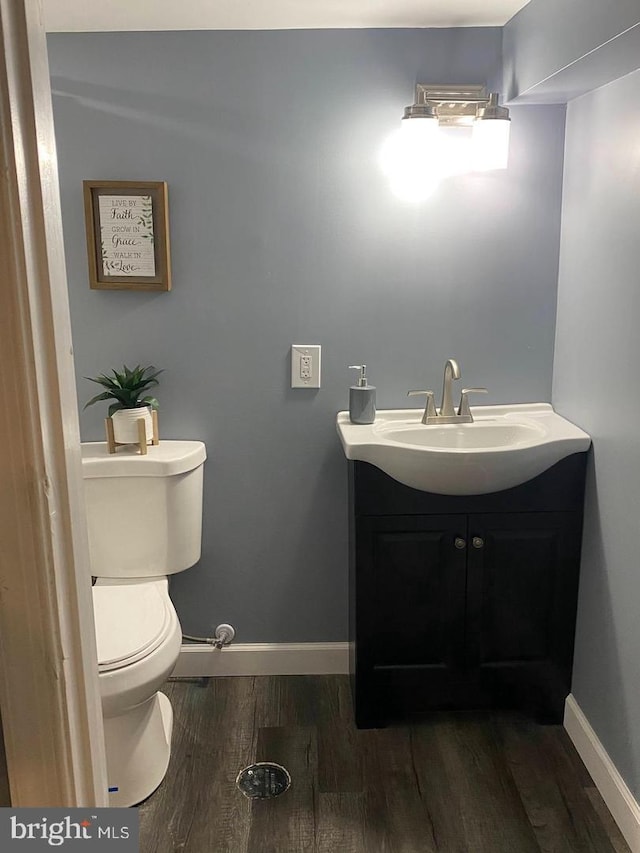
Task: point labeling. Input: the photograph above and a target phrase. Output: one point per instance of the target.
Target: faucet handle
(463, 408)
(430, 408)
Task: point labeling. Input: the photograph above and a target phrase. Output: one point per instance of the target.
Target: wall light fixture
(448, 130)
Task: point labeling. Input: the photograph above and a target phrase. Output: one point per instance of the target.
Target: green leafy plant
(126, 388)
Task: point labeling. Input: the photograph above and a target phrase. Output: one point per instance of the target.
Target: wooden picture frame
(127, 227)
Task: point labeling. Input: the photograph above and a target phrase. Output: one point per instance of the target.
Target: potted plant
(127, 390)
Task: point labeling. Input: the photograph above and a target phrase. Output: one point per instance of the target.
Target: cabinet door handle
(460, 543)
(477, 542)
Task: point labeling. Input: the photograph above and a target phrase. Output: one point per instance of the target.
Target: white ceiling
(109, 15)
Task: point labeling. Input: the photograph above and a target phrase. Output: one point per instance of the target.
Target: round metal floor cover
(263, 780)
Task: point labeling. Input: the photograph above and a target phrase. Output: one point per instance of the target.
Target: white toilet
(144, 518)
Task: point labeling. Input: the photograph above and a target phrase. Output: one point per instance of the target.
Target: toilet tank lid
(161, 460)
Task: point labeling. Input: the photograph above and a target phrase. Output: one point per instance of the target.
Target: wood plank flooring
(469, 783)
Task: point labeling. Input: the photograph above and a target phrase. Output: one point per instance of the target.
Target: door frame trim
(49, 691)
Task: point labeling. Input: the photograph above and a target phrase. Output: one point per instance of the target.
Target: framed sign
(127, 225)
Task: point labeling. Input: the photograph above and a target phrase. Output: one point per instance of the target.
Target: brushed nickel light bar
(470, 106)
(456, 105)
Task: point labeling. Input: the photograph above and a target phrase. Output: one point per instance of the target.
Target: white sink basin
(504, 447)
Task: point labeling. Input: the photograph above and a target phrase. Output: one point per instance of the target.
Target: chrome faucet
(447, 414)
(451, 372)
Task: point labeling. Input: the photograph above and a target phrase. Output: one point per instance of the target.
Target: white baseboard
(612, 787)
(263, 659)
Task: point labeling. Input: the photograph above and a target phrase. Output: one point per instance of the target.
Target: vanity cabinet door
(412, 586)
(521, 600)
(488, 624)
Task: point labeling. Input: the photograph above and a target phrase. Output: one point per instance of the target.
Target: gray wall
(285, 231)
(544, 40)
(595, 384)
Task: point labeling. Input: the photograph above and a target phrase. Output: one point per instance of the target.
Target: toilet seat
(131, 621)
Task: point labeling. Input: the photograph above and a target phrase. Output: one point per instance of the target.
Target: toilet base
(138, 747)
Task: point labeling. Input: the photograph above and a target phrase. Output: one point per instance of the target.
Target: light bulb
(407, 156)
(420, 131)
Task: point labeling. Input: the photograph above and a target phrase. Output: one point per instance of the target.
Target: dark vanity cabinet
(463, 602)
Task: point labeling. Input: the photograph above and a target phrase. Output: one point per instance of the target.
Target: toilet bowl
(144, 521)
(138, 641)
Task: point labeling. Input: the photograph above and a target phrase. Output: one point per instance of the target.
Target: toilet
(144, 521)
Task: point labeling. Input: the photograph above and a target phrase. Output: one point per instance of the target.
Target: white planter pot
(125, 425)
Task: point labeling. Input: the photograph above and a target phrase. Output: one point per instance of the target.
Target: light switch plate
(305, 365)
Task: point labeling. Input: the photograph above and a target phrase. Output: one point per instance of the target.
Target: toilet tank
(144, 513)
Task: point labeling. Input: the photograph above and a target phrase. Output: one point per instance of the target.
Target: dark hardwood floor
(470, 783)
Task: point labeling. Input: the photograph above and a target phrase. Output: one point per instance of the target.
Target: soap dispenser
(362, 398)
